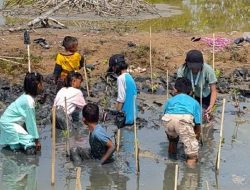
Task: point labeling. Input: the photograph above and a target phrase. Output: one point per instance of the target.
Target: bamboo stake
(10, 61)
(150, 60)
(67, 124)
(8, 57)
(167, 85)
(78, 178)
(221, 138)
(201, 96)
(53, 144)
(137, 165)
(118, 139)
(86, 77)
(207, 185)
(176, 177)
(213, 50)
(28, 49)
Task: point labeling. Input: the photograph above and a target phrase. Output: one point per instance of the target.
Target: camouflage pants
(182, 125)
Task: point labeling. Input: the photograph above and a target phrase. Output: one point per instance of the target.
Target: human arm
(119, 106)
(121, 93)
(38, 145)
(82, 62)
(212, 98)
(30, 119)
(109, 152)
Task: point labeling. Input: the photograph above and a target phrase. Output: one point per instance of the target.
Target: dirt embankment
(168, 51)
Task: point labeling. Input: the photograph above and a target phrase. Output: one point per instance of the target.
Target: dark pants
(205, 100)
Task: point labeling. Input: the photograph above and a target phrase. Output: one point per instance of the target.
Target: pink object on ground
(220, 43)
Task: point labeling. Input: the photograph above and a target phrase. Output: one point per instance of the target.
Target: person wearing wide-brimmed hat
(201, 75)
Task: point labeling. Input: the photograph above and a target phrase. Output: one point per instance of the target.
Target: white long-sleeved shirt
(74, 99)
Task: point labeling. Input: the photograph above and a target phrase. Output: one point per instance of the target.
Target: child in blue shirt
(18, 128)
(127, 91)
(182, 118)
(101, 146)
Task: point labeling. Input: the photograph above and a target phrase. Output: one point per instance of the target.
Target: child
(101, 146)
(67, 61)
(18, 128)
(74, 100)
(182, 120)
(127, 91)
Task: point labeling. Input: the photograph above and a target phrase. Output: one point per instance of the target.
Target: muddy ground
(168, 50)
(168, 53)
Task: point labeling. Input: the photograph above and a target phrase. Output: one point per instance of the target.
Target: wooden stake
(150, 60)
(53, 144)
(137, 165)
(78, 178)
(28, 49)
(201, 96)
(207, 185)
(213, 50)
(167, 85)
(221, 138)
(176, 177)
(67, 124)
(86, 77)
(118, 139)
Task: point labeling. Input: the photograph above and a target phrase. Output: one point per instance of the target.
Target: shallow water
(157, 170)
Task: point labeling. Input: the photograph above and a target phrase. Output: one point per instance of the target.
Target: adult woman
(202, 76)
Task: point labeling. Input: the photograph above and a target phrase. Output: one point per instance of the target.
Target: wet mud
(19, 171)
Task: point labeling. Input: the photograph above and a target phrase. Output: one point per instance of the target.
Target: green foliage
(218, 73)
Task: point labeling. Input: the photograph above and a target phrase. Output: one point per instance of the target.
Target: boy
(182, 118)
(67, 61)
(101, 146)
(126, 91)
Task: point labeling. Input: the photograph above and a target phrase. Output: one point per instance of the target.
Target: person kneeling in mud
(74, 100)
(101, 146)
(182, 118)
(18, 130)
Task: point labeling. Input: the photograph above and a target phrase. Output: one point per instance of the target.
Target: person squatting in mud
(67, 61)
(200, 74)
(101, 146)
(182, 118)
(18, 129)
(74, 100)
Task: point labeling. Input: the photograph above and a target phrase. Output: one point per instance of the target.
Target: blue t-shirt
(127, 92)
(98, 140)
(183, 104)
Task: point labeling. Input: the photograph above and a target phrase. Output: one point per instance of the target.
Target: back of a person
(16, 110)
(71, 95)
(131, 92)
(69, 62)
(181, 104)
(97, 142)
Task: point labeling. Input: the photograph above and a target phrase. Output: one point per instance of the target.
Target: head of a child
(70, 44)
(74, 79)
(90, 114)
(117, 64)
(194, 61)
(33, 83)
(183, 85)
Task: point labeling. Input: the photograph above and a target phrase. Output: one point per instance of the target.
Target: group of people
(196, 82)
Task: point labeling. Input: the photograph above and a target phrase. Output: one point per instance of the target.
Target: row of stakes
(78, 182)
